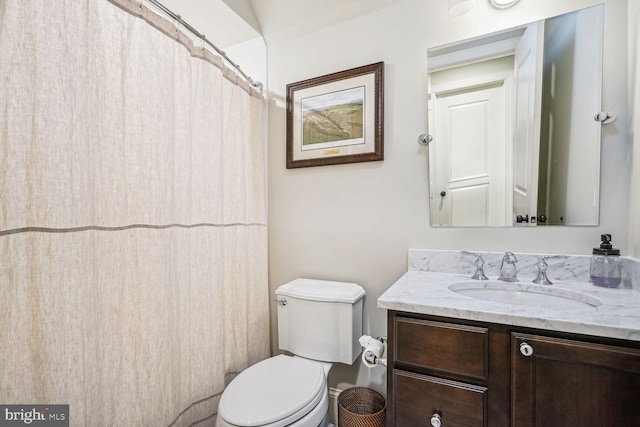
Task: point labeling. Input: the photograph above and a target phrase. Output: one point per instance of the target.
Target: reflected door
(526, 144)
(470, 155)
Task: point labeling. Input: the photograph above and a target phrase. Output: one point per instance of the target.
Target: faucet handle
(542, 278)
(479, 263)
(510, 258)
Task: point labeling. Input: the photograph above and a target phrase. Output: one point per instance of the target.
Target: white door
(526, 145)
(468, 168)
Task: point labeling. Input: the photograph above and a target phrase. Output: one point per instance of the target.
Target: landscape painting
(336, 118)
(333, 119)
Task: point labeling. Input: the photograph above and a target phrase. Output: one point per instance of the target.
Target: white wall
(573, 157)
(634, 92)
(355, 222)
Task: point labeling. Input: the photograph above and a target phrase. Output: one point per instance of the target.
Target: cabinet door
(558, 382)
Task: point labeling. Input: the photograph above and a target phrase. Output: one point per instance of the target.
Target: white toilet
(319, 322)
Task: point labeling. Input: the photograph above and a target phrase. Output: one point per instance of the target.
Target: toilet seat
(276, 392)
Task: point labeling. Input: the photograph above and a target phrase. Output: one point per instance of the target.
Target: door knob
(443, 193)
(435, 420)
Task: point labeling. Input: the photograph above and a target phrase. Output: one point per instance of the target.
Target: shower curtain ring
(176, 24)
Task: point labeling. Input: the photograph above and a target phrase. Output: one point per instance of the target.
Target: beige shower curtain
(133, 264)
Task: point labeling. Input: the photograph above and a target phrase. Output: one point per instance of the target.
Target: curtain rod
(204, 38)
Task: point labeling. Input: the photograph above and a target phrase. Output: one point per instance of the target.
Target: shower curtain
(133, 240)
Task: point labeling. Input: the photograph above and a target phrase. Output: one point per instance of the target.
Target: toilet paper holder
(373, 351)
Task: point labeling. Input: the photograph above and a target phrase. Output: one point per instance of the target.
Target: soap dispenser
(606, 269)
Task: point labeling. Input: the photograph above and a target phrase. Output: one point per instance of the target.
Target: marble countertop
(427, 292)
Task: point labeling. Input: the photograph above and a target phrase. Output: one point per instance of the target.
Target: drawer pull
(435, 420)
(526, 349)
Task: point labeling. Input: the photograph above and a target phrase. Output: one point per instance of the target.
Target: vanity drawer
(443, 347)
(418, 398)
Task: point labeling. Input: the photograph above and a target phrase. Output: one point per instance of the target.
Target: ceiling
(276, 16)
(215, 19)
(237, 21)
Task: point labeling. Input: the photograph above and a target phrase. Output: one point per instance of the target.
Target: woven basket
(361, 407)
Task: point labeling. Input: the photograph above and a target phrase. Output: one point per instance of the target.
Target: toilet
(319, 323)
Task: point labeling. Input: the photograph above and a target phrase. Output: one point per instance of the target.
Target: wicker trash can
(361, 407)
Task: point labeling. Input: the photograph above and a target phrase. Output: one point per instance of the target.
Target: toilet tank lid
(321, 290)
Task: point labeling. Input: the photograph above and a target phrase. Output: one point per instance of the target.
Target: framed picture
(337, 118)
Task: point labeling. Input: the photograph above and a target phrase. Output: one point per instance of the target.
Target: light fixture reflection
(503, 4)
(460, 7)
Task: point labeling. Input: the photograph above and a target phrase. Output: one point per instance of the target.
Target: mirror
(511, 114)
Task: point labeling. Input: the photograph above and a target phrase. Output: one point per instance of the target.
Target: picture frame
(337, 118)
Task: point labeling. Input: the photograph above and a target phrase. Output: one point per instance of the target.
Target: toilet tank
(320, 319)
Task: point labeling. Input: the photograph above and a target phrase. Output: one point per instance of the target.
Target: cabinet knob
(526, 349)
(435, 420)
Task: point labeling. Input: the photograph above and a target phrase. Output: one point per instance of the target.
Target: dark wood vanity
(450, 372)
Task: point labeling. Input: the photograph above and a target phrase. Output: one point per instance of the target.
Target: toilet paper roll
(373, 350)
(369, 358)
(368, 342)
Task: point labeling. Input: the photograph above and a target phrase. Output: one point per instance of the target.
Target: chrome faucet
(508, 272)
(479, 263)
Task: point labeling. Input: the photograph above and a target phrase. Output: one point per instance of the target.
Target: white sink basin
(526, 294)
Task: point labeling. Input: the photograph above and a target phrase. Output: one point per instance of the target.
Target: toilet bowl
(277, 392)
(319, 322)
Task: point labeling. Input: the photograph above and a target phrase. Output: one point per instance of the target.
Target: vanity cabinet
(449, 372)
